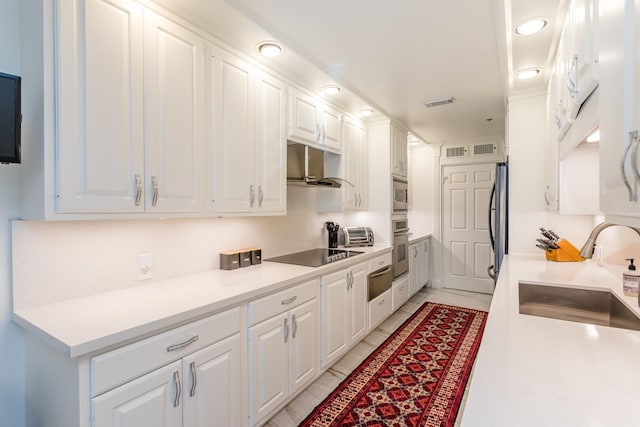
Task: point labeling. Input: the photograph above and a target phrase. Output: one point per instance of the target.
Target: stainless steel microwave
(400, 195)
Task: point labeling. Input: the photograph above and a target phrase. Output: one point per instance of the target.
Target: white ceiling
(393, 55)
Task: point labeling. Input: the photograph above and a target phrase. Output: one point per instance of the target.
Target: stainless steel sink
(597, 307)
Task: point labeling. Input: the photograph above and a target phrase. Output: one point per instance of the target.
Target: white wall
(526, 139)
(11, 341)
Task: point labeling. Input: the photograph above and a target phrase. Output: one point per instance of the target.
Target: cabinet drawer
(400, 291)
(116, 367)
(282, 301)
(379, 262)
(379, 309)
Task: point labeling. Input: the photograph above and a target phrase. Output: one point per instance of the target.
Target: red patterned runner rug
(415, 378)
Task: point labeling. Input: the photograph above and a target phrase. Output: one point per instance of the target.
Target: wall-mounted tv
(10, 118)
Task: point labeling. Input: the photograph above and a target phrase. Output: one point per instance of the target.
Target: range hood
(306, 166)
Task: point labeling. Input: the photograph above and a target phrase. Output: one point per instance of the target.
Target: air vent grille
(481, 149)
(439, 101)
(456, 151)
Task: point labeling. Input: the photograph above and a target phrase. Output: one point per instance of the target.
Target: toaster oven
(355, 236)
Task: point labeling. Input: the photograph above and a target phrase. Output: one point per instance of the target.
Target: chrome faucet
(589, 245)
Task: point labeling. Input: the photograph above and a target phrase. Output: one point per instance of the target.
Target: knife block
(565, 253)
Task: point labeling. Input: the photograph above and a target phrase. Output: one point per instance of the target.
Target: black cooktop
(315, 257)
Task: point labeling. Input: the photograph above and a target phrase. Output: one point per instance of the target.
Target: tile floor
(304, 403)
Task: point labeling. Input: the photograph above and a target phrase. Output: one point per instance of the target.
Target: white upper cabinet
(249, 157)
(174, 117)
(399, 155)
(313, 122)
(355, 165)
(100, 106)
(130, 111)
(619, 111)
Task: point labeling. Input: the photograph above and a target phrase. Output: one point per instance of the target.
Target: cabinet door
(304, 124)
(330, 128)
(414, 269)
(363, 166)
(350, 155)
(271, 144)
(616, 116)
(425, 262)
(303, 345)
(174, 117)
(154, 399)
(212, 392)
(335, 316)
(399, 152)
(233, 99)
(359, 304)
(268, 365)
(100, 106)
(400, 292)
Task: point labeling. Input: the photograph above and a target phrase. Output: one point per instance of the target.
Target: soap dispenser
(630, 280)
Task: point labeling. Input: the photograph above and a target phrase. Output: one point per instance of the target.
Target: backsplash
(56, 261)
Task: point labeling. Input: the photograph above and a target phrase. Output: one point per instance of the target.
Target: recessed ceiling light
(366, 112)
(527, 73)
(269, 48)
(331, 89)
(530, 26)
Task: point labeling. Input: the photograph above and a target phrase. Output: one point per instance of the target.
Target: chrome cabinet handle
(381, 301)
(318, 131)
(295, 326)
(289, 300)
(324, 133)
(182, 344)
(260, 196)
(194, 379)
(178, 385)
(154, 184)
(138, 189)
(571, 85)
(286, 329)
(623, 169)
(546, 199)
(634, 154)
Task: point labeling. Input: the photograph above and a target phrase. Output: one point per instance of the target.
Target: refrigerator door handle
(491, 208)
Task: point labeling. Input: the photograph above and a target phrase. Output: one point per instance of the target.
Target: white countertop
(84, 325)
(535, 371)
(413, 238)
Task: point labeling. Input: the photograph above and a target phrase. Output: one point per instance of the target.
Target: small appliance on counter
(332, 228)
(355, 236)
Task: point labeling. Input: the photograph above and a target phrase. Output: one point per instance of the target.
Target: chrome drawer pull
(183, 344)
(289, 301)
(381, 301)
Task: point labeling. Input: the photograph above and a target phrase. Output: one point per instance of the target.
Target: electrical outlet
(145, 262)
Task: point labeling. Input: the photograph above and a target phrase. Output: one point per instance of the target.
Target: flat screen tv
(10, 118)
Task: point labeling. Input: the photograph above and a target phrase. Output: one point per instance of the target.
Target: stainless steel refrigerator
(499, 218)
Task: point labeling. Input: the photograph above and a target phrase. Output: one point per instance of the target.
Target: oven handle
(401, 231)
(380, 272)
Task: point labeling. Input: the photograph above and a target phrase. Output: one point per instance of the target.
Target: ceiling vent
(456, 151)
(483, 149)
(440, 101)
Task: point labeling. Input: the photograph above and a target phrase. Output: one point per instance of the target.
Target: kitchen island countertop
(94, 323)
(535, 371)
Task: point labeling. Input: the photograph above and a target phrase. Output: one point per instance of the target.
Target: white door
(99, 106)
(174, 117)
(211, 385)
(467, 249)
(335, 316)
(154, 399)
(268, 365)
(303, 345)
(359, 303)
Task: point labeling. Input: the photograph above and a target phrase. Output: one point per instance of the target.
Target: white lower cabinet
(196, 388)
(344, 311)
(419, 264)
(400, 292)
(380, 308)
(283, 347)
